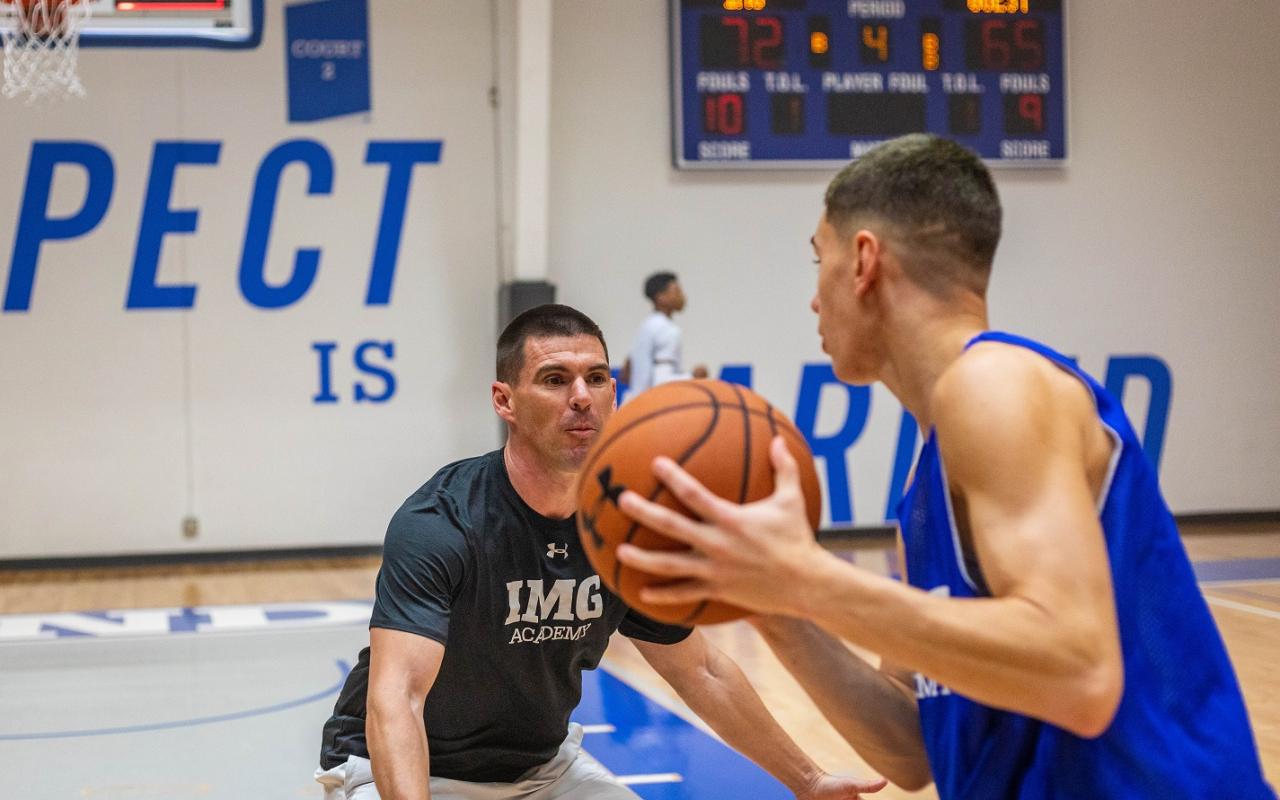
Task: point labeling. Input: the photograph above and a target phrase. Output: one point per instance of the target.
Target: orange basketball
(720, 433)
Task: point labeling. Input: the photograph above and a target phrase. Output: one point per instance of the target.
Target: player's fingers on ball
(664, 563)
(786, 470)
(696, 497)
(676, 593)
(664, 520)
(787, 473)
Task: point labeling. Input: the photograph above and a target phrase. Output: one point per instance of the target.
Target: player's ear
(503, 403)
(868, 250)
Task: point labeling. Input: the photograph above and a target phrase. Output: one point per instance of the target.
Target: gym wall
(155, 367)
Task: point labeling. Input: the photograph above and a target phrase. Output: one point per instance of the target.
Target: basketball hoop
(41, 43)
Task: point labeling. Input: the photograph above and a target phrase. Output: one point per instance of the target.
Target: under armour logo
(553, 551)
(610, 489)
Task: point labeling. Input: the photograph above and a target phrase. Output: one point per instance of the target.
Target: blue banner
(327, 52)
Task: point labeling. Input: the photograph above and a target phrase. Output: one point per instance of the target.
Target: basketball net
(41, 43)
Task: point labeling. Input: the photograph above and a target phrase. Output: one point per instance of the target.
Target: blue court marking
(648, 739)
(343, 668)
(1242, 569)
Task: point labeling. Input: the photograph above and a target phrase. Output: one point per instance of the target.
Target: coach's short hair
(935, 198)
(657, 283)
(550, 319)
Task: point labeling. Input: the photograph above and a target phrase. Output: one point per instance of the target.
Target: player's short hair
(550, 319)
(657, 283)
(932, 197)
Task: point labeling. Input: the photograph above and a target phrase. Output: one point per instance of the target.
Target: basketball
(720, 433)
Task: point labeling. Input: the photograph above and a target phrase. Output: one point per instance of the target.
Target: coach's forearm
(723, 697)
(398, 750)
(868, 708)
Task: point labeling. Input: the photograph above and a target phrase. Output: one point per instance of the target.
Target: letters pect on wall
(210, 311)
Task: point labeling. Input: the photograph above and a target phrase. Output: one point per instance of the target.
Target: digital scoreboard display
(815, 83)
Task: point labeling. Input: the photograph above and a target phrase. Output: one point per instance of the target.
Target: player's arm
(402, 668)
(424, 559)
(718, 692)
(873, 709)
(1046, 642)
(1014, 436)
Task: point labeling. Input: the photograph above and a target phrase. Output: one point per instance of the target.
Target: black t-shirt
(521, 613)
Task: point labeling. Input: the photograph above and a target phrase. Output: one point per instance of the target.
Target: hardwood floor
(1247, 613)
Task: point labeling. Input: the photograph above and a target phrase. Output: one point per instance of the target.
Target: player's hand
(757, 556)
(840, 787)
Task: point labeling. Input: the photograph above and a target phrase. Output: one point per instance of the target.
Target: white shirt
(655, 353)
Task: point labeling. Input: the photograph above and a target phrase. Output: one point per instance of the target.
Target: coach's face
(847, 271)
(562, 399)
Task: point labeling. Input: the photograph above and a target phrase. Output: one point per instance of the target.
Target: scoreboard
(815, 83)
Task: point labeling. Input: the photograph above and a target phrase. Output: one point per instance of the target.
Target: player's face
(564, 396)
(844, 322)
(672, 298)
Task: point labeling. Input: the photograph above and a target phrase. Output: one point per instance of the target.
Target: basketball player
(487, 611)
(1050, 641)
(655, 355)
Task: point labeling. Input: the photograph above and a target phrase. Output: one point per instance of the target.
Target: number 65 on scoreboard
(814, 83)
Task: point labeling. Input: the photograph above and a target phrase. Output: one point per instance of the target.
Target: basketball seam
(742, 489)
(603, 444)
(661, 487)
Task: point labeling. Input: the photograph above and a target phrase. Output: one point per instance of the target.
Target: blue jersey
(1181, 730)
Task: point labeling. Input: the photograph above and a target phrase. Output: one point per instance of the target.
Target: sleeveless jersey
(1181, 730)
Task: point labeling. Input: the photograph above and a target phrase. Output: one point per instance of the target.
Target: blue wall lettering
(736, 373)
(832, 448)
(35, 226)
(1119, 370)
(325, 351)
(903, 457)
(253, 278)
(158, 220)
(361, 359)
(400, 158)
(388, 379)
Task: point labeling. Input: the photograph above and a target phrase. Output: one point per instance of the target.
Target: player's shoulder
(443, 503)
(655, 323)
(995, 386)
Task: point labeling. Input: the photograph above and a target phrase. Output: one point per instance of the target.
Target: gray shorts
(571, 775)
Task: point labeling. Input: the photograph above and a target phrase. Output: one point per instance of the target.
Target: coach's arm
(402, 669)
(873, 709)
(711, 684)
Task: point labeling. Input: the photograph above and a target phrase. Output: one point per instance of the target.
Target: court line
(343, 668)
(1262, 612)
(657, 777)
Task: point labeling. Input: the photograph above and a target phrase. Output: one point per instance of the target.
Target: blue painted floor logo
(197, 619)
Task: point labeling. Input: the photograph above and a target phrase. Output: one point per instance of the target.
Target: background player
(487, 611)
(655, 355)
(1053, 636)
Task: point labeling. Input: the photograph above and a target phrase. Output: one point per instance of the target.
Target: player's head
(553, 389)
(664, 291)
(919, 207)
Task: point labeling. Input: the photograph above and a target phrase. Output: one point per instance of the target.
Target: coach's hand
(840, 787)
(757, 556)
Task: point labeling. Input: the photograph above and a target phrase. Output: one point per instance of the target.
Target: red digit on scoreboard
(1031, 109)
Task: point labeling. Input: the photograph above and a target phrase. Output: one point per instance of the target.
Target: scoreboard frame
(676, 45)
